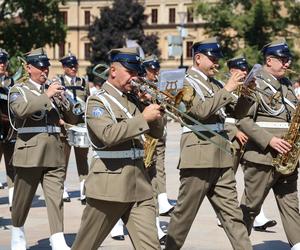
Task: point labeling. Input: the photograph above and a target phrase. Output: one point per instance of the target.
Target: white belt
(46, 129)
(273, 124)
(218, 127)
(230, 120)
(3, 97)
(132, 153)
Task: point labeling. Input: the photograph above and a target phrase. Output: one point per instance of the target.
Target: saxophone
(149, 149)
(287, 163)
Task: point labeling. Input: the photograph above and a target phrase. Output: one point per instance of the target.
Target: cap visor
(136, 67)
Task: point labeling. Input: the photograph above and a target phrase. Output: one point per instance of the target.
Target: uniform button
(45, 105)
(224, 98)
(140, 129)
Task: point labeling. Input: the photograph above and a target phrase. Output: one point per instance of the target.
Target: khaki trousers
(219, 185)
(152, 172)
(100, 216)
(159, 162)
(26, 183)
(237, 160)
(81, 156)
(259, 179)
(7, 149)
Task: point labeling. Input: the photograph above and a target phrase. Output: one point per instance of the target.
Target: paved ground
(204, 234)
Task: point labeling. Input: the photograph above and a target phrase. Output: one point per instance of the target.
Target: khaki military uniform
(156, 170)
(118, 187)
(81, 154)
(159, 162)
(8, 142)
(205, 170)
(259, 174)
(38, 156)
(231, 129)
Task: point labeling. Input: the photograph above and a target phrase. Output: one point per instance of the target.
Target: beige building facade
(165, 17)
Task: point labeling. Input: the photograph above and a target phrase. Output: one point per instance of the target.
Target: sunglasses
(283, 60)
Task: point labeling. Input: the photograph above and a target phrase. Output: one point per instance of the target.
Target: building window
(64, 15)
(190, 15)
(61, 50)
(87, 51)
(87, 17)
(154, 16)
(189, 49)
(172, 17)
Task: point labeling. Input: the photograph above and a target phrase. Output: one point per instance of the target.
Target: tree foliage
(124, 20)
(27, 24)
(245, 26)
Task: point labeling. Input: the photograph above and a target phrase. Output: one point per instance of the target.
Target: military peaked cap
(128, 57)
(3, 56)
(277, 48)
(38, 58)
(151, 62)
(238, 62)
(209, 47)
(69, 60)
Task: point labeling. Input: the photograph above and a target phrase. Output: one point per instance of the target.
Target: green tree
(124, 20)
(27, 24)
(246, 25)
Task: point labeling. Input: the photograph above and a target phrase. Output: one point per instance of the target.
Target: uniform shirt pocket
(32, 142)
(108, 166)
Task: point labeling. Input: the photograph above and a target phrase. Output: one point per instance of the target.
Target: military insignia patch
(97, 112)
(14, 97)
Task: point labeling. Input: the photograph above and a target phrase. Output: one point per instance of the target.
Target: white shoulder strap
(106, 104)
(125, 110)
(284, 98)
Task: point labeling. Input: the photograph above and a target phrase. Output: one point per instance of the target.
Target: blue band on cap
(3, 57)
(129, 58)
(152, 64)
(281, 50)
(71, 60)
(240, 63)
(39, 62)
(206, 47)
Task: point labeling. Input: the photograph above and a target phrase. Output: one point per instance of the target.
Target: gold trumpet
(60, 101)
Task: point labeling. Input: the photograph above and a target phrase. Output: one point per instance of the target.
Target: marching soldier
(117, 185)
(38, 156)
(205, 170)
(152, 67)
(237, 64)
(156, 169)
(265, 124)
(7, 139)
(77, 88)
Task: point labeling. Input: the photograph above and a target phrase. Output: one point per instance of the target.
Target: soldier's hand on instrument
(54, 89)
(234, 81)
(152, 112)
(280, 145)
(61, 122)
(242, 137)
(143, 97)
